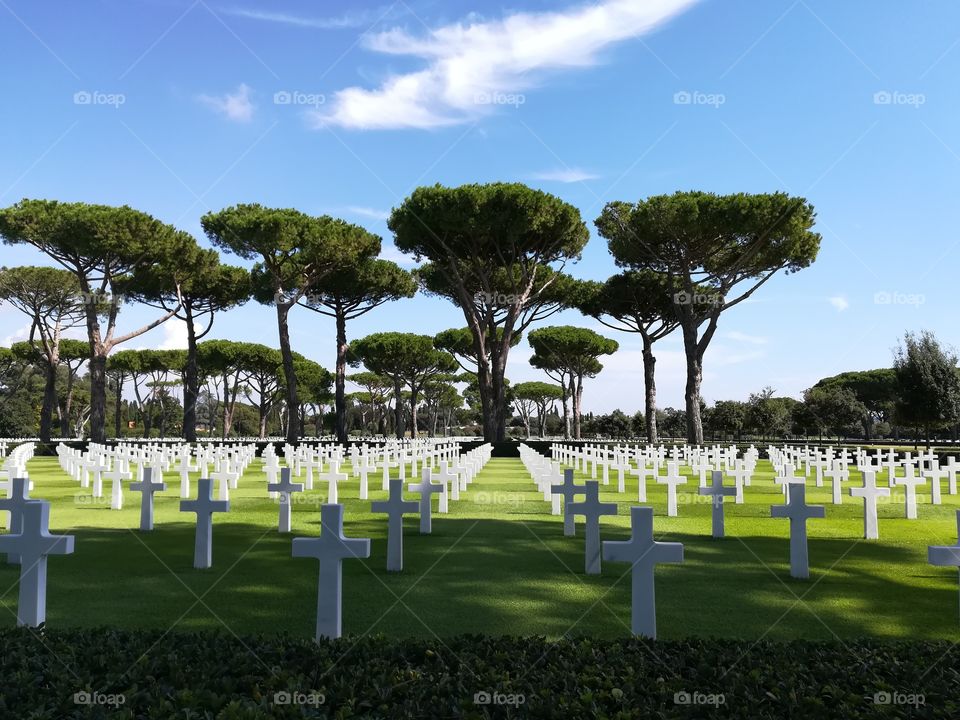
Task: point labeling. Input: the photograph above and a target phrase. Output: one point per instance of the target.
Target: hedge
(150, 674)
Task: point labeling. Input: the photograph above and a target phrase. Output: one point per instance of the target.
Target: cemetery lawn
(498, 564)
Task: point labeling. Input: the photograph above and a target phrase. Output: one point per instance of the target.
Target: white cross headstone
(672, 480)
(330, 549)
(116, 476)
(717, 492)
(395, 507)
(147, 488)
(204, 506)
(568, 490)
(870, 492)
(18, 496)
(592, 510)
(285, 489)
(426, 489)
(910, 481)
(644, 553)
(945, 555)
(797, 510)
(33, 544)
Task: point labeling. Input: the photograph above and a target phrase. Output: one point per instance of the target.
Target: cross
(312, 463)
(945, 555)
(620, 464)
(952, 468)
(395, 507)
(426, 490)
(717, 492)
(644, 553)
(450, 480)
(787, 479)
(870, 492)
(568, 490)
(333, 476)
(284, 488)
(33, 544)
(330, 549)
(643, 472)
(97, 467)
(741, 476)
(797, 510)
(184, 468)
(935, 474)
(592, 509)
(910, 482)
(204, 506)
(116, 476)
(835, 473)
(147, 488)
(364, 468)
(672, 479)
(14, 503)
(224, 476)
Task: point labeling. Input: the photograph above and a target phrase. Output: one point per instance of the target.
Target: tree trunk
(566, 409)
(694, 377)
(117, 430)
(397, 410)
(650, 390)
(340, 392)
(227, 409)
(191, 383)
(289, 374)
(49, 401)
(413, 413)
(485, 388)
(262, 409)
(98, 395)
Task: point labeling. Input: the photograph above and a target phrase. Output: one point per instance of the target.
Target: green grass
(498, 563)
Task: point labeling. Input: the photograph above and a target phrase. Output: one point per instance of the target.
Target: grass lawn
(498, 564)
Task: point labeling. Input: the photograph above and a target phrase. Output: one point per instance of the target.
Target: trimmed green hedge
(149, 674)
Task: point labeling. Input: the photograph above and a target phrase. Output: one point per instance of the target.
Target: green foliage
(164, 675)
(928, 386)
(570, 348)
(834, 409)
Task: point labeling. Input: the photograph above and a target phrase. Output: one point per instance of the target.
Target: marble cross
(835, 473)
(426, 489)
(450, 484)
(910, 481)
(644, 553)
(204, 506)
(284, 488)
(395, 507)
(19, 495)
(643, 472)
(330, 549)
(568, 490)
(33, 544)
(870, 492)
(945, 555)
(147, 488)
(333, 476)
(672, 479)
(717, 492)
(797, 510)
(116, 476)
(935, 474)
(592, 510)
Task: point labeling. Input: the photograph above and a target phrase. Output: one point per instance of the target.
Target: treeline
(498, 252)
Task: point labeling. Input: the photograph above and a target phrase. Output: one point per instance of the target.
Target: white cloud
(840, 302)
(174, 335)
(390, 252)
(338, 22)
(473, 66)
(567, 175)
(236, 106)
(372, 213)
(18, 335)
(745, 338)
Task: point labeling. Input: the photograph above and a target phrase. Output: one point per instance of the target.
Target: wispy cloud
(745, 338)
(367, 212)
(362, 18)
(840, 302)
(567, 175)
(236, 106)
(473, 66)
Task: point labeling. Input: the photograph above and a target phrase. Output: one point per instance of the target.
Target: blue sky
(178, 107)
